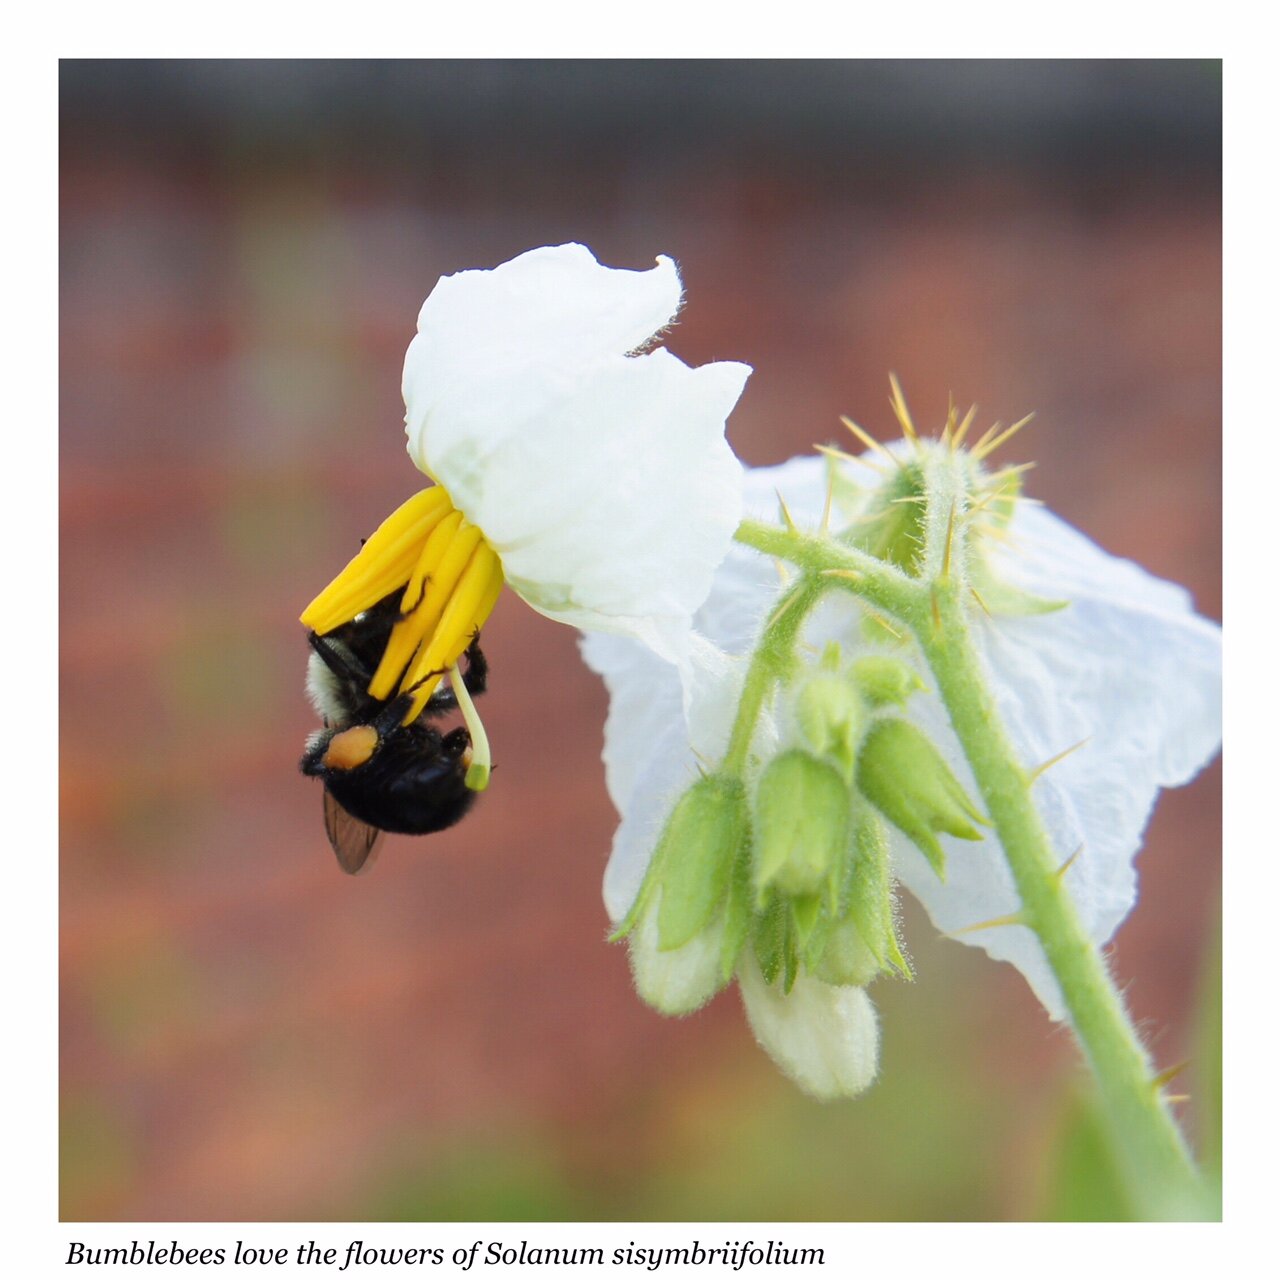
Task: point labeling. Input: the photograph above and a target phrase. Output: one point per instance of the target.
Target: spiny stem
(768, 664)
(881, 583)
(1148, 1138)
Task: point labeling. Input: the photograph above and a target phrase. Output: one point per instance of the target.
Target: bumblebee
(379, 774)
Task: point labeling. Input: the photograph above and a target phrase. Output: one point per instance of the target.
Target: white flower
(1127, 668)
(595, 481)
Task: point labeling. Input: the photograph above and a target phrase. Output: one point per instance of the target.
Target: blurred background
(249, 1034)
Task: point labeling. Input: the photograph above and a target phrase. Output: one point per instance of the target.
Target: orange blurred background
(249, 1034)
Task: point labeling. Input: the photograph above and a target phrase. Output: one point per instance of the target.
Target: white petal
(647, 758)
(644, 708)
(553, 306)
(824, 1037)
(746, 584)
(668, 769)
(621, 504)
(799, 482)
(649, 753)
(602, 480)
(1127, 669)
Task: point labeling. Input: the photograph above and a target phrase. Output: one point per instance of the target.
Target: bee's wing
(355, 842)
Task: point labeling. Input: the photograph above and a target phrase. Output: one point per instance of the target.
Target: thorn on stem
(893, 631)
(869, 441)
(946, 551)
(784, 607)
(1162, 1078)
(839, 455)
(900, 411)
(825, 526)
(982, 604)
(999, 922)
(1048, 764)
(786, 513)
(987, 446)
(1061, 872)
(963, 429)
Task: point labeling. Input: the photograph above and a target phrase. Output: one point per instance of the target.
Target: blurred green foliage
(96, 1159)
(1085, 1182)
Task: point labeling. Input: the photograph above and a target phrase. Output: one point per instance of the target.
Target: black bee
(380, 775)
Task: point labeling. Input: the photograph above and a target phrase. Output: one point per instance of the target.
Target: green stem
(1148, 1138)
(768, 664)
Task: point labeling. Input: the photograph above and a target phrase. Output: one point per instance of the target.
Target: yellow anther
(433, 551)
(444, 558)
(471, 600)
(384, 562)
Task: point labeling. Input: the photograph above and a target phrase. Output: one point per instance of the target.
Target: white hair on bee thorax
(324, 691)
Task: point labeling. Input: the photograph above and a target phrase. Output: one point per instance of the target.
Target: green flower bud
(902, 773)
(692, 915)
(802, 827)
(884, 681)
(706, 832)
(847, 960)
(831, 717)
(872, 906)
(1000, 494)
(864, 940)
(774, 945)
(892, 527)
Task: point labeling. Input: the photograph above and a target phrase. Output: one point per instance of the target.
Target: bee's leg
(476, 676)
(398, 707)
(335, 661)
(388, 719)
(312, 758)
